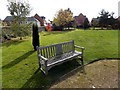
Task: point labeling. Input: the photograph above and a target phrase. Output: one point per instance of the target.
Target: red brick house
(79, 20)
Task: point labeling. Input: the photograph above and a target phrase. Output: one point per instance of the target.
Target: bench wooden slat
(54, 45)
(50, 53)
(46, 54)
(59, 49)
(54, 51)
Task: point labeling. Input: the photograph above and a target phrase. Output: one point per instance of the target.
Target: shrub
(35, 35)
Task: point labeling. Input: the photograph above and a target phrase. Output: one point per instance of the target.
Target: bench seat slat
(63, 58)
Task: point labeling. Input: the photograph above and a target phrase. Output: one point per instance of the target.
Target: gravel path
(100, 74)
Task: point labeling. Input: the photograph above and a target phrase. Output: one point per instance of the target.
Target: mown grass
(20, 64)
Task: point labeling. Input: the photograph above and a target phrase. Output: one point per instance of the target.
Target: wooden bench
(52, 55)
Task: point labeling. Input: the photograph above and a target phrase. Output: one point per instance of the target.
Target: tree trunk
(68, 28)
(102, 28)
(20, 38)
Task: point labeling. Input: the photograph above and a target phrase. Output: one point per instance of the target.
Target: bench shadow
(17, 60)
(39, 80)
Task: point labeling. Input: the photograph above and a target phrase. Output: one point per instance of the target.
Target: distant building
(9, 19)
(95, 22)
(30, 20)
(79, 20)
(39, 20)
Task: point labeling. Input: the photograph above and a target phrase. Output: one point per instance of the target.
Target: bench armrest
(79, 47)
(43, 58)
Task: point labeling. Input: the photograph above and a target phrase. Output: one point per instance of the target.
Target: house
(95, 22)
(79, 20)
(9, 19)
(30, 20)
(39, 20)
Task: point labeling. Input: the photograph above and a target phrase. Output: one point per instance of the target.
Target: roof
(30, 19)
(39, 19)
(11, 18)
(95, 19)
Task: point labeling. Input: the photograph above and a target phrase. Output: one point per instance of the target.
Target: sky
(48, 8)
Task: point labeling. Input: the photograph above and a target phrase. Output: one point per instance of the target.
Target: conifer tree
(35, 35)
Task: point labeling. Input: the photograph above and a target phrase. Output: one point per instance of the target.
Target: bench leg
(43, 67)
(46, 70)
(82, 61)
(39, 65)
(82, 68)
(82, 57)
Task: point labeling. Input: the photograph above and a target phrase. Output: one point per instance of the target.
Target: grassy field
(20, 64)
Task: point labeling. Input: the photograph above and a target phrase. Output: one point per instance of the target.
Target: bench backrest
(56, 49)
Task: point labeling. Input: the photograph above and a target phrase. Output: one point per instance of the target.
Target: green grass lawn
(20, 63)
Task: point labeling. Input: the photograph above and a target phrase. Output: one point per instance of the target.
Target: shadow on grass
(39, 80)
(17, 60)
(7, 43)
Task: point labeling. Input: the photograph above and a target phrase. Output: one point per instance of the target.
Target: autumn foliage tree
(63, 18)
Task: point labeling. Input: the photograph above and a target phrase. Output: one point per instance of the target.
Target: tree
(63, 18)
(20, 30)
(106, 19)
(116, 24)
(19, 10)
(35, 35)
(103, 19)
